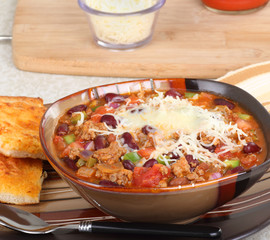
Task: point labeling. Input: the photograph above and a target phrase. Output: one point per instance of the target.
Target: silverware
(5, 37)
(20, 220)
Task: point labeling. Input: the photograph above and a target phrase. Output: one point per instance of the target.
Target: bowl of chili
(162, 150)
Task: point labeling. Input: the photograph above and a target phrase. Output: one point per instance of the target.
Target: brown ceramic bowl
(164, 204)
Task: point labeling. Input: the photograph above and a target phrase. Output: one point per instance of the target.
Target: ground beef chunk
(163, 183)
(249, 159)
(201, 169)
(87, 133)
(208, 139)
(227, 113)
(122, 177)
(181, 168)
(110, 154)
(164, 170)
(197, 175)
(142, 139)
(194, 177)
(74, 152)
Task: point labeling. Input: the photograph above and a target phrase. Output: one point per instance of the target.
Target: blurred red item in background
(234, 6)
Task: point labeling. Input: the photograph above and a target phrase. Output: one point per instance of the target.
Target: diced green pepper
(69, 138)
(74, 119)
(95, 108)
(190, 94)
(91, 162)
(94, 104)
(244, 116)
(132, 156)
(161, 159)
(233, 163)
(254, 135)
(80, 163)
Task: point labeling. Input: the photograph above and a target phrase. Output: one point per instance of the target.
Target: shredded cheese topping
(81, 120)
(181, 128)
(125, 29)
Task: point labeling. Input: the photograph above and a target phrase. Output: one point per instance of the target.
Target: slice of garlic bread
(19, 126)
(21, 180)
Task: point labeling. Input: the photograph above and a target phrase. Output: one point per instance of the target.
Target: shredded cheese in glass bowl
(122, 24)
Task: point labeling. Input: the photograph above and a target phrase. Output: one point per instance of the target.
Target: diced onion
(89, 146)
(215, 176)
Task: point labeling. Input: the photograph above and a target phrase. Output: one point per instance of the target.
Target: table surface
(186, 32)
(14, 82)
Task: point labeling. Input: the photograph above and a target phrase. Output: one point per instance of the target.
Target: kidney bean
(109, 120)
(236, 170)
(78, 108)
(150, 163)
(62, 129)
(128, 165)
(128, 139)
(221, 101)
(251, 147)
(211, 148)
(147, 129)
(173, 93)
(133, 145)
(100, 142)
(178, 181)
(173, 155)
(108, 183)
(191, 161)
(113, 97)
(70, 163)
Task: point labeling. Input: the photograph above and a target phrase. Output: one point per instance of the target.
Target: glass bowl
(122, 30)
(172, 204)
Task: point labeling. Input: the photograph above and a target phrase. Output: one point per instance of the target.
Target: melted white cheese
(186, 118)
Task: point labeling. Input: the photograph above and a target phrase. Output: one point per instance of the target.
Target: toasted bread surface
(19, 126)
(21, 180)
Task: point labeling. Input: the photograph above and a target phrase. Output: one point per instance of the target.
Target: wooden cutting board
(53, 37)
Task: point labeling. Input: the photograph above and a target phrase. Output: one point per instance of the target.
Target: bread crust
(21, 180)
(19, 126)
